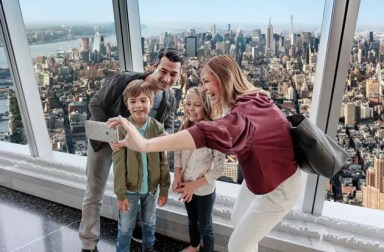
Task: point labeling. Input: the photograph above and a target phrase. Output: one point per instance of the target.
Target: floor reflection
(28, 223)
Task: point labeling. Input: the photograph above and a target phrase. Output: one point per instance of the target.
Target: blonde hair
(232, 81)
(206, 106)
(135, 88)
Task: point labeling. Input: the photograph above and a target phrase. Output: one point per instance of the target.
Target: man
(109, 102)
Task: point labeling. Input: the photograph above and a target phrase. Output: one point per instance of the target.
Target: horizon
(214, 11)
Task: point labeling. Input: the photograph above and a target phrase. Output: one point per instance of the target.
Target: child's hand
(177, 180)
(162, 200)
(187, 189)
(176, 184)
(116, 146)
(123, 205)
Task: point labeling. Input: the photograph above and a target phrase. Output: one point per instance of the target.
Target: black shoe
(150, 250)
(136, 235)
(90, 250)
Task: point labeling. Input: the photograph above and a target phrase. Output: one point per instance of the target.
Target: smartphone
(99, 131)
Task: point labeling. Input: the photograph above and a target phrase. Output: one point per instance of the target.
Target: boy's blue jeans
(127, 221)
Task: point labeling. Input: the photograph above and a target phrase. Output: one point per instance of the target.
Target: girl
(254, 130)
(195, 174)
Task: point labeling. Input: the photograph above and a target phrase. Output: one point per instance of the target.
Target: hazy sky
(194, 11)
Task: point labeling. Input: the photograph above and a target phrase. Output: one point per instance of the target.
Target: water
(51, 48)
(3, 108)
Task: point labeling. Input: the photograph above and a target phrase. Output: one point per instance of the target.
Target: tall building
(256, 38)
(84, 53)
(373, 191)
(270, 43)
(349, 113)
(213, 30)
(85, 44)
(372, 88)
(191, 46)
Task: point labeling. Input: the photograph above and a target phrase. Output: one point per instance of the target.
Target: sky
(194, 11)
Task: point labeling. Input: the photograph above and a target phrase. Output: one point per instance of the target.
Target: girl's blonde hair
(206, 105)
(231, 80)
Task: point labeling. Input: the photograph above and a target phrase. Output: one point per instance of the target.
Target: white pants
(254, 216)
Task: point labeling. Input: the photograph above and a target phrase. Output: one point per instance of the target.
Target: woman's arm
(182, 140)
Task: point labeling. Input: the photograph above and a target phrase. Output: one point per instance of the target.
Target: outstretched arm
(182, 140)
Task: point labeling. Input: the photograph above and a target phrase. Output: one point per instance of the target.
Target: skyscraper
(350, 114)
(213, 30)
(373, 191)
(270, 43)
(191, 46)
(85, 44)
(370, 37)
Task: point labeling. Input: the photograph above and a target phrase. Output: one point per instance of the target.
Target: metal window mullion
(22, 73)
(121, 21)
(128, 34)
(135, 35)
(337, 33)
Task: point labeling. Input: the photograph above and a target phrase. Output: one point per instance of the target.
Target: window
(11, 124)
(73, 51)
(273, 42)
(360, 130)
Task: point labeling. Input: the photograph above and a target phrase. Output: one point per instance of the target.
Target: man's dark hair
(171, 53)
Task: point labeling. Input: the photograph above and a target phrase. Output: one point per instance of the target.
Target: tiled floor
(28, 223)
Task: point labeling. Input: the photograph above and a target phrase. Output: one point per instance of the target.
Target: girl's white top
(203, 162)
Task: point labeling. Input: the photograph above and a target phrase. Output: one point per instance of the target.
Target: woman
(254, 130)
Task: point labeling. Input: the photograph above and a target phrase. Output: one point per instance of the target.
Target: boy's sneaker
(136, 235)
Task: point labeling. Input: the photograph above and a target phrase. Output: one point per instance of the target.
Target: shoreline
(63, 40)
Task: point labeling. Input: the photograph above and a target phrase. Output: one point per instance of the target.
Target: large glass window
(74, 51)
(11, 124)
(361, 127)
(275, 43)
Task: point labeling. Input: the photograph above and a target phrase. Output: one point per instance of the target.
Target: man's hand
(162, 200)
(123, 205)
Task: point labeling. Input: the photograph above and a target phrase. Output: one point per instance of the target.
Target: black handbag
(315, 151)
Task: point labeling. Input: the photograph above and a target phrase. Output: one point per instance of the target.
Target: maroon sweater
(257, 132)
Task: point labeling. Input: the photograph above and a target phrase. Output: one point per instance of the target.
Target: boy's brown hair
(135, 88)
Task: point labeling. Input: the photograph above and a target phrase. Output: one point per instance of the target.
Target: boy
(108, 102)
(139, 176)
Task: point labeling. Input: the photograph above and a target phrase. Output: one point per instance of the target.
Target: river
(51, 48)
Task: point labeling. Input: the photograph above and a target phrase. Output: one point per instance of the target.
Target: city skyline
(245, 12)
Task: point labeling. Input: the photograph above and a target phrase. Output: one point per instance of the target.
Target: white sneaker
(191, 249)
